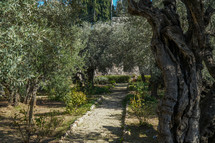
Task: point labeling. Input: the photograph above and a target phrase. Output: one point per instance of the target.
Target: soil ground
(103, 125)
(146, 133)
(8, 133)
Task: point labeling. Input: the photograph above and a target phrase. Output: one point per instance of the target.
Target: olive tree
(37, 45)
(179, 53)
(97, 56)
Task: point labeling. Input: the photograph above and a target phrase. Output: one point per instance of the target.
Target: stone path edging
(81, 119)
(125, 129)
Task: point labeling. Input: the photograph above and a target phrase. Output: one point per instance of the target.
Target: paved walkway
(104, 124)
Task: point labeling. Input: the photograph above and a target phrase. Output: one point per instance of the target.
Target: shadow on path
(105, 122)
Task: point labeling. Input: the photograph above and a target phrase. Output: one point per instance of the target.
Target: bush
(112, 82)
(38, 129)
(74, 99)
(119, 78)
(142, 108)
(139, 78)
(112, 79)
(147, 78)
(132, 87)
(138, 87)
(101, 80)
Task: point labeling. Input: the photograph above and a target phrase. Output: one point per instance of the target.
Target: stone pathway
(104, 124)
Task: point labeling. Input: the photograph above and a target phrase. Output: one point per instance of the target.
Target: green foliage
(35, 131)
(113, 82)
(57, 87)
(93, 11)
(142, 103)
(142, 108)
(139, 87)
(147, 77)
(112, 79)
(101, 80)
(97, 50)
(39, 43)
(132, 87)
(118, 78)
(74, 99)
(132, 32)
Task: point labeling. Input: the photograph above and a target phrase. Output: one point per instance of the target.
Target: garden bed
(45, 107)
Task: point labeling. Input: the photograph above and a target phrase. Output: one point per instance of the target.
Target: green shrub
(138, 87)
(139, 78)
(99, 90)
(142, 108)
(38, 129)
(74, 99)
(147, 77)
(132, 87)
(101, 80)
(112, 79)
(119, 78)
(113, 82)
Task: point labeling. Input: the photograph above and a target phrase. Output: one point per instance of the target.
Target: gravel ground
(104, 124)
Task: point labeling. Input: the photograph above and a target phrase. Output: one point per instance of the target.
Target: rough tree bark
(142, 73)
(90, 75)
(179, 55)
(12, 95)
(32, 94)
(143, 77)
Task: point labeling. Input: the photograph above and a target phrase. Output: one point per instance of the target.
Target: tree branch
(142, 8)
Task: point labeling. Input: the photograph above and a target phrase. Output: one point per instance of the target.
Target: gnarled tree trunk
(179, 56)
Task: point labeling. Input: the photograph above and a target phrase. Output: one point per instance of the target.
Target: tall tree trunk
(32, 103)
(179, 56)
(28, 90)
(143, 77)
(16, 98)
(32, 93)
(90, 76)
(142, 73)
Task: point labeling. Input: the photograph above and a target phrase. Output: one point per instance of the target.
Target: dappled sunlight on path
(104, 124)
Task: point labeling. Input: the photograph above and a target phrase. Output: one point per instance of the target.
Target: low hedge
(101, 80)
(110, 79)
(119, 78)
